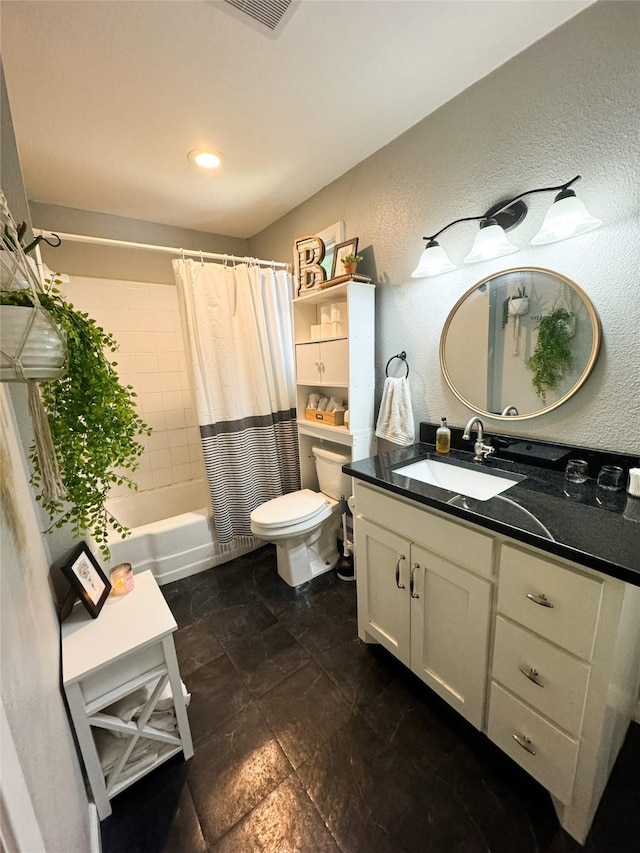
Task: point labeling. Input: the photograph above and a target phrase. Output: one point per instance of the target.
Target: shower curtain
(238, 328)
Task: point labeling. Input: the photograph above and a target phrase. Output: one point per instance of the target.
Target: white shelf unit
(129, 646)
(341, 365)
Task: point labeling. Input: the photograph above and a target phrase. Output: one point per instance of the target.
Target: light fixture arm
(507, 204)
(560, 187)
(455, 222)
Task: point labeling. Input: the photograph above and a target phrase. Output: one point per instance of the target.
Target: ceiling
(109, 97)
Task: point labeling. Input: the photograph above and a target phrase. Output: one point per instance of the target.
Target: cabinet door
(308, 364)
(450, 611)
(382, 562)
(334, 357)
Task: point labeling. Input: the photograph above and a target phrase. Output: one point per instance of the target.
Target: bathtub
(171, 532)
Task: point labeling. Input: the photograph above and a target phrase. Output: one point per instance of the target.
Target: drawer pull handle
(400, 559)
(532, 674)
(539, 598)
(524, 742)
(413, 568)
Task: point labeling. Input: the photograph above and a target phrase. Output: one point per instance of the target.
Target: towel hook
(403, 357)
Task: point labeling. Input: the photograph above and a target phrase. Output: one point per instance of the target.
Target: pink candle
(121, 578)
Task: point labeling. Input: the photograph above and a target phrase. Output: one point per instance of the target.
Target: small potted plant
(350, 263)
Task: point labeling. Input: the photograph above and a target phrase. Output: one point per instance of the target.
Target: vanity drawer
(548, 754)
(455, 542)
(558, 603)
(555, 683)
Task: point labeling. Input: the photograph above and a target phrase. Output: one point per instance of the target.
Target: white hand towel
(395, 418)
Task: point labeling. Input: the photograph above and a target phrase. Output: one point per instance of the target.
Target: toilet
(304, 524)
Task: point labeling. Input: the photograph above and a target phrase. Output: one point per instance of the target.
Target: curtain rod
(105, 241)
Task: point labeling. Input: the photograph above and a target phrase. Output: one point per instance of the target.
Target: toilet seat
(291, 514)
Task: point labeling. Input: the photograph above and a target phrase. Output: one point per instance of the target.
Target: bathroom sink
(463, 478)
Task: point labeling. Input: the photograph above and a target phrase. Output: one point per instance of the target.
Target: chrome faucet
(510, 410)
(481, 450)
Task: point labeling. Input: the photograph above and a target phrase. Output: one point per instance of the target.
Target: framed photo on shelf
(350, 247)
(88, 582)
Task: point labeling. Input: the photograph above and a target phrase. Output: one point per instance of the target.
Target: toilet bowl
(304, 525)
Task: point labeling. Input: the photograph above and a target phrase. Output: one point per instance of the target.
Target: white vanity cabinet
(539, 653)
(429, 611)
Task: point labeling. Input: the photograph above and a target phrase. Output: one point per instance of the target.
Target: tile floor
(308, 740)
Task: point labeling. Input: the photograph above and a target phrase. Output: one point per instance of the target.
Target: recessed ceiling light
(205, 159)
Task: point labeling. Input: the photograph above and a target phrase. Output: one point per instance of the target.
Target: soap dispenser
(443, 437)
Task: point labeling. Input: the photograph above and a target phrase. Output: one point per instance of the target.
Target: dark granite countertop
(581, 523)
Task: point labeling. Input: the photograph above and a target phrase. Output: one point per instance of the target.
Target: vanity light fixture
(204, 159)
(567, 217)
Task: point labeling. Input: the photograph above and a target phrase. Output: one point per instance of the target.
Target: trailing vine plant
(552, 354)
(93, 422)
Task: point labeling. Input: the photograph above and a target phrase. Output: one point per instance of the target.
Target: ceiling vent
(266, 16)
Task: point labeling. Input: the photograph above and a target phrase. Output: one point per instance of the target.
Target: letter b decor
(307, 255)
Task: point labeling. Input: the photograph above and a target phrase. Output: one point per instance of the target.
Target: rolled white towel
(110, 748)
(129, 706)
(163, 720)
(143, 763)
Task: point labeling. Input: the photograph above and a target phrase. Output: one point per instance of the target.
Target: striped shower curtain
(238, 329)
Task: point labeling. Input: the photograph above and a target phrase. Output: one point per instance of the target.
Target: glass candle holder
(611, 478)
(577, 471)
(121, 578)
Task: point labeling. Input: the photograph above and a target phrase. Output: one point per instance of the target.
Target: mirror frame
(595, 346)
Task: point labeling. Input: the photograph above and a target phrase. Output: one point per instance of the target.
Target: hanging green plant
(552, 354)
(93, 422)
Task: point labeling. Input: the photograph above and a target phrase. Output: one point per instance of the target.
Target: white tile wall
(145, 320)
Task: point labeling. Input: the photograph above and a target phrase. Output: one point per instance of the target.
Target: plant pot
(44, 353)
(349, 269)
(519, 306)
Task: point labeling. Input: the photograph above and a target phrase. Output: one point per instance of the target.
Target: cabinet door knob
(539, 598)
(532, 674)
(524, 742)
(411, 582)
(400, 559)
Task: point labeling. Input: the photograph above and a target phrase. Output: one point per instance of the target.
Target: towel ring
(403, 357)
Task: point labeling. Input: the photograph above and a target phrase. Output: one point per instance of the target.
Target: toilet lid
(289, 509)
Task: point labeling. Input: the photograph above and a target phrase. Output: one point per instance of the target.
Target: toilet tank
(333, 483)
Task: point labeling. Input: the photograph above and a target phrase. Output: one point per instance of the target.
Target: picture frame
(88, 582)
(340, 251)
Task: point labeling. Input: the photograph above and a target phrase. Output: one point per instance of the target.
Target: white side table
(128, 646)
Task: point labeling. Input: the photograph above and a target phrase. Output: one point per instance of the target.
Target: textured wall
(567, 105)
(30, 634)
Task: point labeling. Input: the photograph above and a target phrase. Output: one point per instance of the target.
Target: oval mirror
(519, 343)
